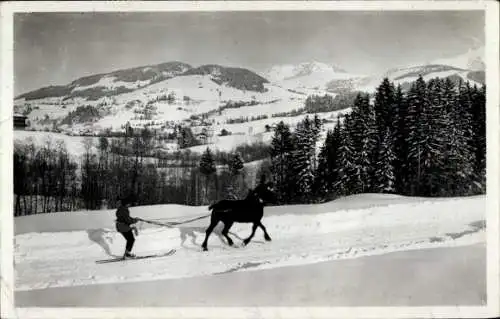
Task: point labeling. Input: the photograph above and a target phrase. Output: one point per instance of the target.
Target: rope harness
(172, 224)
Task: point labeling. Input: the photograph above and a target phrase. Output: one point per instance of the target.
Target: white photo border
(8, 309)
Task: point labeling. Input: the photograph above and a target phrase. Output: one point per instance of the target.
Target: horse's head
(265, 193)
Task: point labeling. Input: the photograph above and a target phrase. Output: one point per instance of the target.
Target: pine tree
(348, 181)
(236, 184)
(207, 168)
(305, 138)
(364, 137)
(417, 102)
(236, 164)
(281, 152)
(478, 117)
(207, 163)
(401, 134)
(384, 107)
(434, 122)
(384, 168)
(327, 171)
(460, 149)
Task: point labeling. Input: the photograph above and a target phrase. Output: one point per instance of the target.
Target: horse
(248, 210)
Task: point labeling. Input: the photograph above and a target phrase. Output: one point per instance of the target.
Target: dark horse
(248, 210)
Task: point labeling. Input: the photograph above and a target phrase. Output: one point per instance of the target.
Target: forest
(427, 141)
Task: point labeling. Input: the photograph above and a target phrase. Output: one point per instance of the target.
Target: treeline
(327, 103)
(47, 179)
(243, 119)
(44, 179)
(82, 114)
(429, 141)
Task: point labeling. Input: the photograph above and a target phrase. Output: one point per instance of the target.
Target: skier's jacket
(123, 220)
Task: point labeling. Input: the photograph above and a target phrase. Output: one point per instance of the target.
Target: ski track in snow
(58, 259)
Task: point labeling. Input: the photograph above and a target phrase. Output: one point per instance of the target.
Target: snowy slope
(314, 233)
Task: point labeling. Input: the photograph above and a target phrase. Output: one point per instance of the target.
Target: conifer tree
(417, 102)
(400, 136)
(327, 172)
(236, 164)
(207, 168)
(384, 106)
(478, 117)
(384, 168)
(348, 181)
(236, 183)
(305, 138)
(364, 136)
(434, 123)
(281, 152)
(460, 148)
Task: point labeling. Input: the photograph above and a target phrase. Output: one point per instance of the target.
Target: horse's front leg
(266, 235)
(254, 228)
(225, 231)
(209, 230)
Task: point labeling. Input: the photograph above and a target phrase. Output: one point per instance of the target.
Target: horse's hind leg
(213, 223)
(254, 228)
(266, 235)
(225, 232)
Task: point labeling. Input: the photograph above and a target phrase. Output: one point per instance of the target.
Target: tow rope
(172, 224)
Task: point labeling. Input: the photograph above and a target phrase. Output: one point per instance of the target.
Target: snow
(366, 281)
(110, 83)
(59, 250)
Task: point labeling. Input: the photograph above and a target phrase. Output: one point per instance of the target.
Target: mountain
(279, 73)
(118, 82)
(107, 84)
(306, 77)
(469, 66)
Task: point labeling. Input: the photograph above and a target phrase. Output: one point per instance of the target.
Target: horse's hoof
(205, 248)
(267, 238)
(245, 242)
(230, 243)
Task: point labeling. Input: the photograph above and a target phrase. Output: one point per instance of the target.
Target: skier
(124, 225)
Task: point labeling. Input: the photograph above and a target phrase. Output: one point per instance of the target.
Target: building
(20, 121)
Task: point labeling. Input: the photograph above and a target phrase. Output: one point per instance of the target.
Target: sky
(57, 48)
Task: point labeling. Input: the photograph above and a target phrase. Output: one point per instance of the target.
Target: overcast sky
(57, 48)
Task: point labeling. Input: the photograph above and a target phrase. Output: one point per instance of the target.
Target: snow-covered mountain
(283, 72)
(469, 66)
(406, 75)
(308, 77)
(108, 84)
(122, 81)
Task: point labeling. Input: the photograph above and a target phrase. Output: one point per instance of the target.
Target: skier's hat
(129, 199)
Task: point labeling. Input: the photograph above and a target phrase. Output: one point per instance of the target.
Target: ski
(104, 261)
